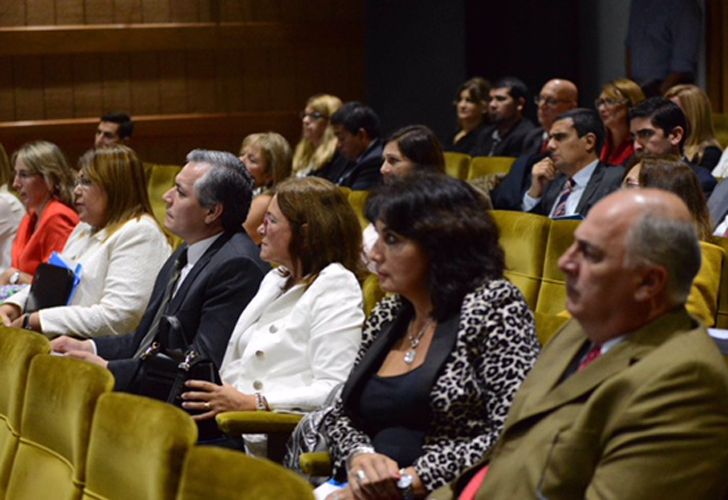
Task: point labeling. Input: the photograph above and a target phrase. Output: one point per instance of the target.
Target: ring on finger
(361, 475)
(207, 405)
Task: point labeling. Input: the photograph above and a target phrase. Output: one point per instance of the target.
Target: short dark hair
(449, 220)
(421, 146)
(517, 89)
(354, 116)
(227, 182)
(586, 121)
(124, 121)
(663, 114)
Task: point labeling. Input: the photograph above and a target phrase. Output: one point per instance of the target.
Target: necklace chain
(414, 340)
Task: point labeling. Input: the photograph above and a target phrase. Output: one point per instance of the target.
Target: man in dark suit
(357, 132)
(557, 96)
(570, 180)
(659, 127)
(507, 132)
(204, 286)
(630, 398)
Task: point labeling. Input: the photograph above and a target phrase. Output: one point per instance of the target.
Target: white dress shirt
(581, 179)
(11, 213)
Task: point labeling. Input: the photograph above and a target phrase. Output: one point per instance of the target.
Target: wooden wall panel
(7, 95)
(116, 87)
(98, 11)
(40, 12)
(144, 81)
(69, 11)
(28, 78)
(173, 83)
(12, 13)
(128, 11)
(87, 86)
(58, 87)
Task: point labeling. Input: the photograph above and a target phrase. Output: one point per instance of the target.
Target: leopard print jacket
(496, 347)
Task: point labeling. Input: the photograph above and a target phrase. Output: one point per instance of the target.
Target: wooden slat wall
(717, 52)
(193, 73)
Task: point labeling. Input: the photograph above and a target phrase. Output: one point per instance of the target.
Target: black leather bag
(51, 287)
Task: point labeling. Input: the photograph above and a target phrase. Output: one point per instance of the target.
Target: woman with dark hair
(412, 148)
(443, 356)
(471, 104)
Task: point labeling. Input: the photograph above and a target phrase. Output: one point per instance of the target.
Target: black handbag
(51, 287)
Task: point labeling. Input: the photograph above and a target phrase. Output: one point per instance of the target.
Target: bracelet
(357, 451)
(261, 404)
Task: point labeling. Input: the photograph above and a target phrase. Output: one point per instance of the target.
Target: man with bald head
(630, 398)
(557, 96)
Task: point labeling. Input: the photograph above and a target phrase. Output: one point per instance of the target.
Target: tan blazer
(647, 420)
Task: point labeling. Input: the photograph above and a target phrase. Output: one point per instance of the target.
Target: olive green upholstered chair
(703, 299)
(481, 166)
(523, 237)
(17, 349)
(60, 400)
(216, 473)
(160, 178)
(137, 448)
(278, 427)
(721, 320)
(552, 294)
(358, 201)
(456, 164)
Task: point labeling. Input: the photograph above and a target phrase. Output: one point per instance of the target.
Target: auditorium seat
(721, 319)
(703, 299)
(372, 293)
(137, 448)
(160, 179)
(17, 349)
(456, 164)
(278, 427)
(358, 201)
(481, 166)
(523, 237)
(59, 405)
(720, 123)
(219, 474)
(552, 294)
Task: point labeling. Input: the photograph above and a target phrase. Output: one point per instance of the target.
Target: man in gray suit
(571, 179)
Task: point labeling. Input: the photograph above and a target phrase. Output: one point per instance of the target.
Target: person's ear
(590, 140)
(521, 104)
(675, 136)
(213, 213)
(653, 281)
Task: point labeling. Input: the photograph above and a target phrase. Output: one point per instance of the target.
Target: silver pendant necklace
(411, 353)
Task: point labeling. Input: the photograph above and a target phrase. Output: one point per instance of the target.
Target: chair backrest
(358, 201)
(703, 299)
(372, 293)
(60, 400)
(720, 123)
(721, 317)
(552, 295)
(481, 166)
(137, 448)
(523, 237)
(456, 164)
(221, 474)
(17, 349)
(160, 179)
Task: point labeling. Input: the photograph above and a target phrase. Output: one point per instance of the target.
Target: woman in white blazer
(119, 245)
(298, 337)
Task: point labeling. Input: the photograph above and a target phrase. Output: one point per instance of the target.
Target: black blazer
(510, 145)
(718, 203)
(365, 172)
(603, 181)
(207, 303)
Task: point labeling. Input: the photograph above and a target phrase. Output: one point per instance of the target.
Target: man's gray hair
(228, 183)
(669, 243)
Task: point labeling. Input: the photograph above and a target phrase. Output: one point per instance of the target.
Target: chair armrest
(235, 423)
(316, 463)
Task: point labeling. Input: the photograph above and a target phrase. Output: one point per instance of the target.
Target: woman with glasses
(119, 246)
(44, 184)
(613, 105)
(267, 156)
(316, 153)
(471, 104)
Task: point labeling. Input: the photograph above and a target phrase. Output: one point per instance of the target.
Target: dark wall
(415, 61)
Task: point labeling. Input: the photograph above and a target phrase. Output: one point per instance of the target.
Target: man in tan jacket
(630, 399)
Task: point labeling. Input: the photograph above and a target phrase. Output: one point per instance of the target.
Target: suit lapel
(590, 190)
(552, 194)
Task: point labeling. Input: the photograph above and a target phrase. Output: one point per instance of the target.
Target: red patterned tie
(591, 356)
(560, 207)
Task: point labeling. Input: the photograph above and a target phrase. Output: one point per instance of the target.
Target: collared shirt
(721, 229)
(581, 179)
(194, 252)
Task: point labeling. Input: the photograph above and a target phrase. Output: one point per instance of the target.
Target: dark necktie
(166, 298)
(560, 207)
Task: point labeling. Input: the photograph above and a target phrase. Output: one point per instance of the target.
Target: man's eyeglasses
(313, 115)
(551, 102)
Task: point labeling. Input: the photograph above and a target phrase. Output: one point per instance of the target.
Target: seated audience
(613, 105)
(508, 129)
(571, 179)
(701, 147)
(44, 183)
(316, 152)
(658, 127)
(11, 212)
(441, 359)
(119, 245)
(471, 105)
(113, 129)
(267, 156)
(357, 132)
(297, 338)
(629, 389)
(212, 277)
(557, 96)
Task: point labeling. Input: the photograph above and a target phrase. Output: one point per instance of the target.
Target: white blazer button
(257, 385)
(259, 354)
(273, 329)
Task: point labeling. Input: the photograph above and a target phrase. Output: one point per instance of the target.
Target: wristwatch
(14, 278)
(404, 484)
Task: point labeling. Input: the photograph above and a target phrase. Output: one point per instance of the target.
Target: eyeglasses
(551, 102)
(83, 182)
(609, 102)
(313, 115)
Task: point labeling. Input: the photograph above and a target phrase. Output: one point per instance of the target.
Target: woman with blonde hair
(613, 105)
(701, 147)
(316, 150)
(11, 212)
(118, 244)
(44, 184)
(267, 156)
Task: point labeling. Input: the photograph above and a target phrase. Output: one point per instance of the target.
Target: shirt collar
(196, 250)
(581, 178)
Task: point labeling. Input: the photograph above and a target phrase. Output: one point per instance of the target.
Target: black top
(395, 412)
(467, 143)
